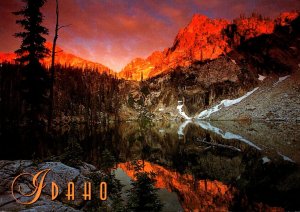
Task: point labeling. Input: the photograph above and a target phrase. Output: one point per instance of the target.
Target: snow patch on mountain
(181, 112)
(224, 103)
(261, 77)
(280, 80)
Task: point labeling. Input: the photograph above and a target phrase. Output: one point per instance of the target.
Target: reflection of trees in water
(128, 141)
(243, 168)
(104, 146)
(193, 194)
(142, 196)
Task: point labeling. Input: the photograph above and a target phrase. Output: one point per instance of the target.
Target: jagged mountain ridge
(204, 84)
(201, 40)
(62, 58)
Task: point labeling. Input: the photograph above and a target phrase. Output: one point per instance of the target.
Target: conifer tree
(35, 80)
(33, 43)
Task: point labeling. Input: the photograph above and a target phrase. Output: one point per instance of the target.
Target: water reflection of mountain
(261, 161)
(261, 170)
(193, 194)
(278, 138)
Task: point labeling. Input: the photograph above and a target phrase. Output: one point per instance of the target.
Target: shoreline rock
(60, 173)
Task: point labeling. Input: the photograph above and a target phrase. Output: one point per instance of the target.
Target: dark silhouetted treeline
(80, 96)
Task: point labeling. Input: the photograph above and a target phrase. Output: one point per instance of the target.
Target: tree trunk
(53, 69)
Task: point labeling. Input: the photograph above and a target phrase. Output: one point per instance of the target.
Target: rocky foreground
(60, 173)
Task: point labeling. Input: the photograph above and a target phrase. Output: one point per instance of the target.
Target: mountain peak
(62, 58)
(286, 17)
(198, 18)
(205, 39)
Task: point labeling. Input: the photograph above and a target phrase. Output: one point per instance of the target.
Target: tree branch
(63, 26)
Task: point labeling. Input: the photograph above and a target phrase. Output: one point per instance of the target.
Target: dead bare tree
(52, 69)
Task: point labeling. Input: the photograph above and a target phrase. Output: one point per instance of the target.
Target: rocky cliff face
(203, 84)
(197, 87)
(203, 39)
(62, 58)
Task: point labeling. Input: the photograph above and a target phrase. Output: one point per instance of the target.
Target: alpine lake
(199, 165)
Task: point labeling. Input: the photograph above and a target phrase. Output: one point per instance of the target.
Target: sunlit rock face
(201, 40)
(136, 69)
(194, 194)
(62, 58)
(286, 17)
(251, 27)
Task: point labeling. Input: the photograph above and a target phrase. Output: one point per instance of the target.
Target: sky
(113, 32)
